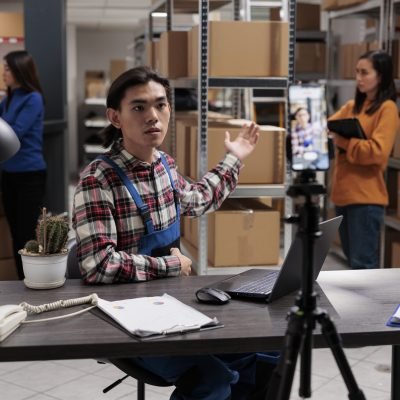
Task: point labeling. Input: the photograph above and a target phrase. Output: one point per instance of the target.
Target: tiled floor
(85, 379)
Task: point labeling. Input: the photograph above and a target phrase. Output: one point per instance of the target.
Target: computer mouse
(210, 295)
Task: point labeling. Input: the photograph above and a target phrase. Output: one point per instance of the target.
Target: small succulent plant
(51, 235)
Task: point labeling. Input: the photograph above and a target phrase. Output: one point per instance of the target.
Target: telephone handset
(12, 315)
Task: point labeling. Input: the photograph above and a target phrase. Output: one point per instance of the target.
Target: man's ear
(113, 117)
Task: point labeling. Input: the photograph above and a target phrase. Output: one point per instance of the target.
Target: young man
(127, 211)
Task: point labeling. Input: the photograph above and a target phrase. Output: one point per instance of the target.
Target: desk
(359, 301)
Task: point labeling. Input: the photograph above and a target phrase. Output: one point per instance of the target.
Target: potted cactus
(44, 260)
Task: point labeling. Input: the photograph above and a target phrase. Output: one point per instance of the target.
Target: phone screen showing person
(308, 135)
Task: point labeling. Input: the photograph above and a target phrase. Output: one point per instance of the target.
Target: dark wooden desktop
(360, 303)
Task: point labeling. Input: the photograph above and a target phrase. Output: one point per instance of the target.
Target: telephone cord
(57, 305)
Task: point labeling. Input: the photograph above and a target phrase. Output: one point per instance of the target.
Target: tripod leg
(282, 379)
(334, 341)
(305, 363)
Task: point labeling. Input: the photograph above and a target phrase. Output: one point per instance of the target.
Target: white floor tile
(90, 387)
(369, 375)
(324, 364)
(6, 367)
(360, 353)
(41, 376)
(42, 396)
(89, 365)
(381, 355)
(336, 389)
(12, 391)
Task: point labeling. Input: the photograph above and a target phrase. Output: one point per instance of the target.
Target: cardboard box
(174, 54)
(310, 57)
(149, 52)
(308, 16)
(328, 5)
(265, 165)
(95, 84)
(117, 67)
(242, 49)
(348, 57)
(182, 135)
(6, 248)
(12, 25)
(396, 254)
(8, 270)
(157, 55)
(244, 232)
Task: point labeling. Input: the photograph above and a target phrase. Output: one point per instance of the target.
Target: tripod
(302, 318)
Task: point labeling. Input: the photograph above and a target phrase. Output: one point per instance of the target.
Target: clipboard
(152, 317)
(347, 127)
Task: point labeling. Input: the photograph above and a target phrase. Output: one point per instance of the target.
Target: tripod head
(306, 185)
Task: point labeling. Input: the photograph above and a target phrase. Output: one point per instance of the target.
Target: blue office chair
(126, 365)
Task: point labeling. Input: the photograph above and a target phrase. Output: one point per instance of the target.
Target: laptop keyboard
(262, 285)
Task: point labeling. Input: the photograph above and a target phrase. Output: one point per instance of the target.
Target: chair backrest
(73, 271)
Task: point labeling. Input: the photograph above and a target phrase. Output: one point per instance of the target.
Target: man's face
(143, 118)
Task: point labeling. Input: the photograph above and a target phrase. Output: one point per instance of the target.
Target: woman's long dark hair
(383, 65)
(24, 71)
(133, 77)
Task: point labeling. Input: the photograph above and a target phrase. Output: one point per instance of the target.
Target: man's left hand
(245, 143)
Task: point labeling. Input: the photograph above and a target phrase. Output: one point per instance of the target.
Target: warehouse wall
(95, 49)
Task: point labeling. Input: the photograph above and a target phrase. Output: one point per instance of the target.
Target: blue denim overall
(152, 243)
(214, 374)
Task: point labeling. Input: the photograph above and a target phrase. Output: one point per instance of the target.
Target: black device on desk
(211, 295)
(347, 127)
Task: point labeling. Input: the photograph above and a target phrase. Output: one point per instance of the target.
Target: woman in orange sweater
(358, 189)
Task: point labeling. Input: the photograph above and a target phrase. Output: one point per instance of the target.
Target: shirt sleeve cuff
(231, 161)
(173, 266)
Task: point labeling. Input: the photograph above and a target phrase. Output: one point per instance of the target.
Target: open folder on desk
(158, 315)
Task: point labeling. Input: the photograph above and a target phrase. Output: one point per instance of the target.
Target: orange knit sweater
(359, 172)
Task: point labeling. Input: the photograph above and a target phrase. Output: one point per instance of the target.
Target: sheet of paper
(147, 316)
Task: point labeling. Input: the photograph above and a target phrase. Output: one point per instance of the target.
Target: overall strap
(143, 209)
(166, 166)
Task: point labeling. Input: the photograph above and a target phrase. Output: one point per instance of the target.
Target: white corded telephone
(12, 315)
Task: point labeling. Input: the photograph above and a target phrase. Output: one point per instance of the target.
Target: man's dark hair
(383, 65)
(132, 77)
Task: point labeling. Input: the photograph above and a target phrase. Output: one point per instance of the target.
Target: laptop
(267, 285)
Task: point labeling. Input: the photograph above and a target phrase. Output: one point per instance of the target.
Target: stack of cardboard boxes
(236, 49)
(245, 231)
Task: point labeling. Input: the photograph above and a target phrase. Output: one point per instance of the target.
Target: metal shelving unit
(203, 83)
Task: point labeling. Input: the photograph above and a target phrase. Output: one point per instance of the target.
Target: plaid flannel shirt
(108, 225)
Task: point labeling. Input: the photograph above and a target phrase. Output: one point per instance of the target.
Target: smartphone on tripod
(307, 141)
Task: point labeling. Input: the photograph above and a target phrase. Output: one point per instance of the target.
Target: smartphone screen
(308, 135)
